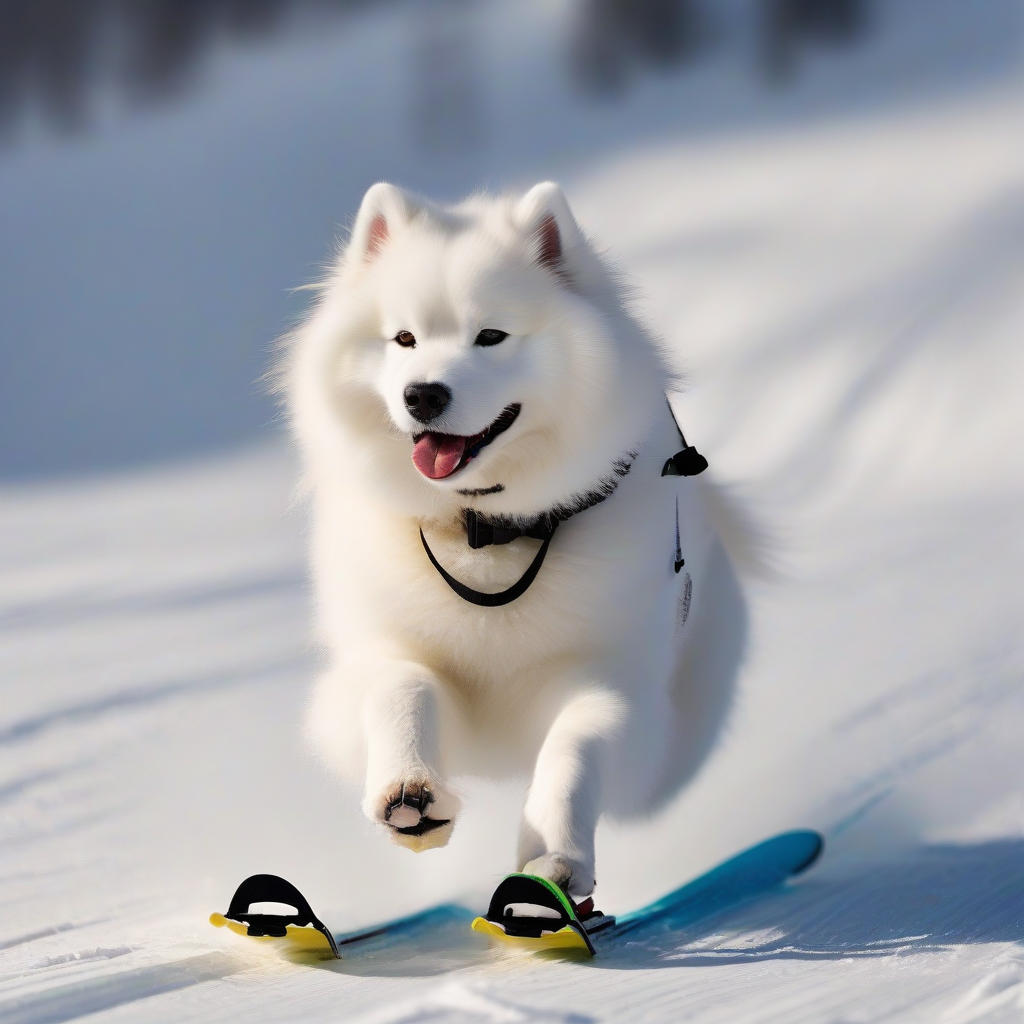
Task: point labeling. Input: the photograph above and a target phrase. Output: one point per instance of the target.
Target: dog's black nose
(426, 401)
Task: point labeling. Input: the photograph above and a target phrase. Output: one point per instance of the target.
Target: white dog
(470, 379)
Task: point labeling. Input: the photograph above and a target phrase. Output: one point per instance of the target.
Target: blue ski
(533, 914)
(754, 872)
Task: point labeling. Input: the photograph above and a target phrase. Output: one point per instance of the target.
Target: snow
(842, 271)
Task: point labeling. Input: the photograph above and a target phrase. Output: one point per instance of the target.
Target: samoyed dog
(511, 575)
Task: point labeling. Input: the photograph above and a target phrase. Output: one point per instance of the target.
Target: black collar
(482, 531)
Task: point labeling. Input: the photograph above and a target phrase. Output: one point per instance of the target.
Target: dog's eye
(406, 339)
(489, 336)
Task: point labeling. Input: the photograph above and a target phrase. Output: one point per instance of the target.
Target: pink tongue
(438, 455)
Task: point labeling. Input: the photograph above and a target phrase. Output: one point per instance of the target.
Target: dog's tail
(748, 542)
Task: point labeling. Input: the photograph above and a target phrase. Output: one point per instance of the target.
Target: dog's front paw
(418, 814)
(570, 875)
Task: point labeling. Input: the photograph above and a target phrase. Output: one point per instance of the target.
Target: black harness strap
(478, 597)
(481, 531)
(688, 462)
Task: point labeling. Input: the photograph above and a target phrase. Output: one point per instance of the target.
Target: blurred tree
(611, 38)
(447, 109)
(56, 52)
(788, 24)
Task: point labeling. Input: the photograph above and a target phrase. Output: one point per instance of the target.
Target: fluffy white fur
(591, 683)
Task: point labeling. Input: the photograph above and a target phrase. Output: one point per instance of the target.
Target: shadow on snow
(930, 899)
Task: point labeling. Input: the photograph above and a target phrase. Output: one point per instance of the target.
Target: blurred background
(821, 203)
(171, 169)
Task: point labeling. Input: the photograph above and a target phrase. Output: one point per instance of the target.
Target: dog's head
(472, 356)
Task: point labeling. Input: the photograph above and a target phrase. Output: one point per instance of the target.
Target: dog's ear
(384, 208)
(544, 214)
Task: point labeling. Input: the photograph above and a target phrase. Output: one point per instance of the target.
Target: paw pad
(406, 810)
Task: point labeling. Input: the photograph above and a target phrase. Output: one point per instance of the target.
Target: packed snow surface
(847, 294)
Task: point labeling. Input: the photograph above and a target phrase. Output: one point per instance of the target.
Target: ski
(297, 933)
(531, 913)
(526, 912)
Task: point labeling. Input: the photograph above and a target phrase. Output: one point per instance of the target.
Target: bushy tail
(748, 542)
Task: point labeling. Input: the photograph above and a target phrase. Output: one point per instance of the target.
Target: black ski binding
(303, 928)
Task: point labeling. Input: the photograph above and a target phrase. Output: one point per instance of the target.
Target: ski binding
(300, 930)
(533, 914)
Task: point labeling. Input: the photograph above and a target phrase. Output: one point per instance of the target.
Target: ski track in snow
(852, 311)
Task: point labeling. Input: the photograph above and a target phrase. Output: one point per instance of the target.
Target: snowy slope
(848, 294)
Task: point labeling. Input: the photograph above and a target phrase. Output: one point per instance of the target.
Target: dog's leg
(404, 790)
(556, 838)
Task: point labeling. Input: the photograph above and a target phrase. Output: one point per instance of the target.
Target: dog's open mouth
(438, 456)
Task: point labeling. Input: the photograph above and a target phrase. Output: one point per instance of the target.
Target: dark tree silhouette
(56, 52)
(788, 25)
